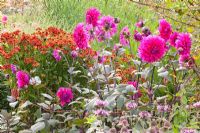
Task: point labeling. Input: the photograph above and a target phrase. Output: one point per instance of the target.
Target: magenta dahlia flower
(81, 36)
(164, 29)
(152, 49)
(106, 28)
(92, 16)
(56, 55)
(173, 38)
(22, 79)
(125, 36)
(65, 95)
(183, 43)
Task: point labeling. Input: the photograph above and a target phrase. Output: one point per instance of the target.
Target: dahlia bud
(117, 20)
(137, 36)
(146, 32)
(139, 24)
(74, 54)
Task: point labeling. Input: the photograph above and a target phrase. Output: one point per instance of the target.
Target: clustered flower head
(163, 108)
(22, 79)
(131, 105)
(92, 16)
(106, 28)
(81, 36)
(145, 114)
(125, 36)
(56, 55)
(65, 95)
(188, 130)
(101, 104)
(101, 112)
(152, 49)
(164, 29)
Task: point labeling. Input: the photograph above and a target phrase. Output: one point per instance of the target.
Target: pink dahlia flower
(139, 24)
(106, 28)
(125, 36)
(173, 38)
(92, 16)
(81, 36)
(184, 59)
(164, 29)
(4, 19)
(56, 55)
(22, 79)
(65, 95)
(152, 49)
(183, 43)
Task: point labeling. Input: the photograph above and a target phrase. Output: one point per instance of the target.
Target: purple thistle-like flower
(56, 55)
(145, 114)
(152, 49)
(101, 113)
(13, 68)
(92, 16)
(22, 79)
(65, 95)
(81, 36)
(131, 105)
(164, 29)
(106, 28)
(125, 36)
(101, 104)
(183, 43)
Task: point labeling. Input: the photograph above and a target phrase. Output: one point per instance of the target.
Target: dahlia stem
(131, 51)
(151, 84)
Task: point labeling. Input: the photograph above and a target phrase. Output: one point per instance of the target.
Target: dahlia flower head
(4, 19)
(56, 55)
(164, 29)
(92, 16)
(22, 79)
(184, 59)
(139, 24)
(152, 49)
(106, 28)
(81, 36)
(65, 95)
(183, 43)
(124, 36)
(173, 38)
(137, 36)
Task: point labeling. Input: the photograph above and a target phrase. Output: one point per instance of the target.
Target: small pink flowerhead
(4, 19)
(139, 24)
(183, 43)
(125, 36)
(145, 114)
(163, 108)
(164, 29)
(90, 29)
(81, 36)
(188, 130)
(74, 54)
(92, 16)
(101, 104)
(56, 55)
(173, 38)
(65, 95)
(152, 49)
(137, 36)
(196, 105)
(131, 105)
(22, 79)
(101, 113)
